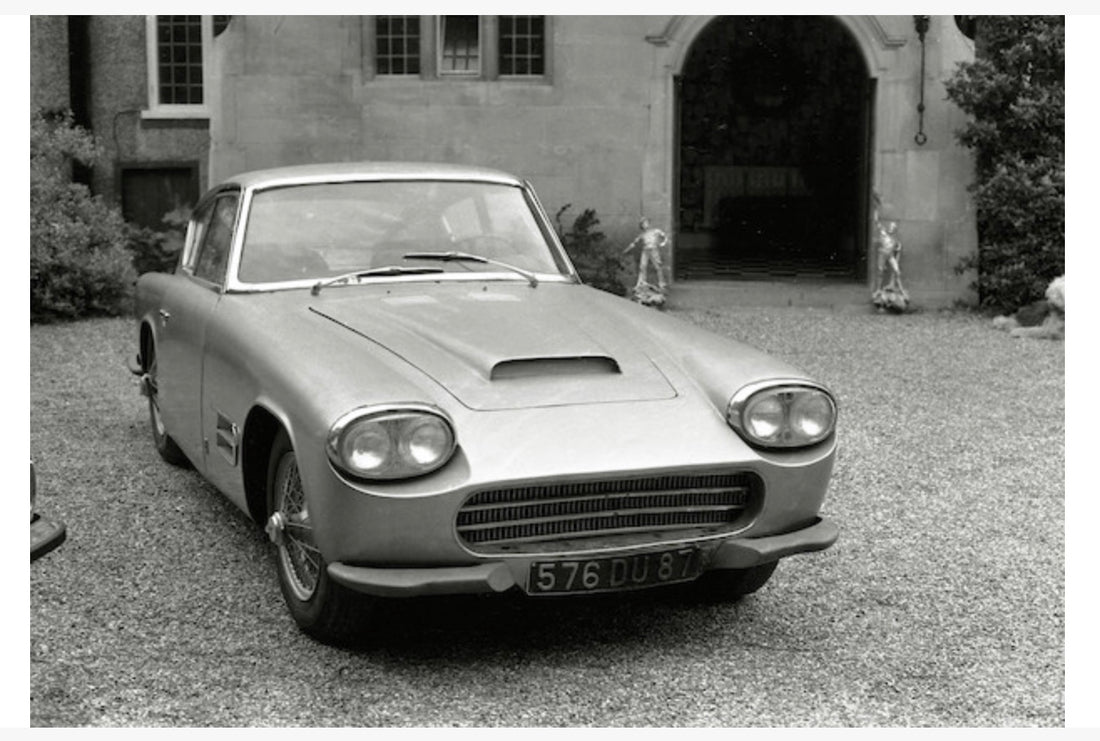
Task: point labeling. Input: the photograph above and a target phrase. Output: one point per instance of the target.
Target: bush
(80, 262)
(1015, 93)
(597, 262)
(158, 251)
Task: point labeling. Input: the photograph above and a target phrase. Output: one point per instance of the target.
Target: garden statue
(651, 239)
(888, 293)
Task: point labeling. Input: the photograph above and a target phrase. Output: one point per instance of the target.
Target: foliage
(1015, 93)
(80, 264)
(159, 251)
(597, 262)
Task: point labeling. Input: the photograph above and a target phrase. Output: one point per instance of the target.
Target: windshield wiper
(467, 257)
(387, 270)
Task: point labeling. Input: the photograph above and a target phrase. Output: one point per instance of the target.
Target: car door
(187, 307)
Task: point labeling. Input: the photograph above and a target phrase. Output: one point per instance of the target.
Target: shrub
(158, 251)
(80, 264)
(597, 262)
(1015, 94)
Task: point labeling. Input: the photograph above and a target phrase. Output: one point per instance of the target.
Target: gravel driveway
(941, 605)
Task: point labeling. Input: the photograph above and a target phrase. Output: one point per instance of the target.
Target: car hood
(504, 345)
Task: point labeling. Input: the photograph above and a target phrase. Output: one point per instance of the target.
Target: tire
(730, 585)
(323, 609)
(162, 441)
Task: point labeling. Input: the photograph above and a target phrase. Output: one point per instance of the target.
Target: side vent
(595, 365)
(227, 438)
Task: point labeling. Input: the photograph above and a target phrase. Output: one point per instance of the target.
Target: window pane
(397, 44)
(179, 59)
(200, 219)
(461, 47)
(214, 251)
(522, 45)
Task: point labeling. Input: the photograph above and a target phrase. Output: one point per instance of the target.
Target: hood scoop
(539, 348)
(544, 367)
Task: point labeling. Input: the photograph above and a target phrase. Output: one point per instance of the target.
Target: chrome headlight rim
(741, 402)
(391, 417)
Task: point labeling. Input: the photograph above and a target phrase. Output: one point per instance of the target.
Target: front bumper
(504, 574)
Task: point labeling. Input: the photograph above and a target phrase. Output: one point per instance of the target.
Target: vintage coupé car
(396, 370)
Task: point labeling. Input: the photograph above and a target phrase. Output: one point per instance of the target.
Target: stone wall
(49, 62)
(119, 94)
(924, 186)
(599, 133)
(580, 138)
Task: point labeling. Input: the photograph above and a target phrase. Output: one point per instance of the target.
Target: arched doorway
(774, 117)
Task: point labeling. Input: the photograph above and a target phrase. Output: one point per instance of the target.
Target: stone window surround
(155, 108)
(430, 51)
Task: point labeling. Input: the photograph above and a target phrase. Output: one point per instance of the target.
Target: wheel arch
(260, 429)
(145, 343)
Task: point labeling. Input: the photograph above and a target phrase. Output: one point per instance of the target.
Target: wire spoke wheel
(299, 557)
(321, 607)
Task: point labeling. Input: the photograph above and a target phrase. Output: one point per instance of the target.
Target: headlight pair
(392, 442)
(778, 414)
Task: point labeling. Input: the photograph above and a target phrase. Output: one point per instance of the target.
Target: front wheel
(322, 608)
(730, 585)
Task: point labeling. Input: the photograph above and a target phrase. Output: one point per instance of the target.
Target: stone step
(702, 294)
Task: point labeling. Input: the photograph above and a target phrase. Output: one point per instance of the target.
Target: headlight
(392, 442)
(779, 414)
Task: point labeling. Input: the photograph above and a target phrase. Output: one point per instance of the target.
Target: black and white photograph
(558, 371)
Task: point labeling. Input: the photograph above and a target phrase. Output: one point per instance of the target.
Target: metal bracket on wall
(921, 23)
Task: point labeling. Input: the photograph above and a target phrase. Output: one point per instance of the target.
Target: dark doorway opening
(774, 132)
(153, 191)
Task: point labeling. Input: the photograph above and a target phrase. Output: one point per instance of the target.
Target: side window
(196, 230)
(214, 240)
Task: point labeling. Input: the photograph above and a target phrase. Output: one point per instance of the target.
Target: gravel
(941, 605)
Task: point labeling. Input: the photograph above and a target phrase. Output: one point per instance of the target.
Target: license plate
(618, 573)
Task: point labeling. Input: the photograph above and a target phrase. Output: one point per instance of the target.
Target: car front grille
(580, 515)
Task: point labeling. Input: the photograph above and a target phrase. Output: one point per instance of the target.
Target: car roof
(344, 171)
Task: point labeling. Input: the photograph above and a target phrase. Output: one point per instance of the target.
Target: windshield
(306, 232)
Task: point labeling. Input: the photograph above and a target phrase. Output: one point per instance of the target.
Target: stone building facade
(758, 143)
(154, 160)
